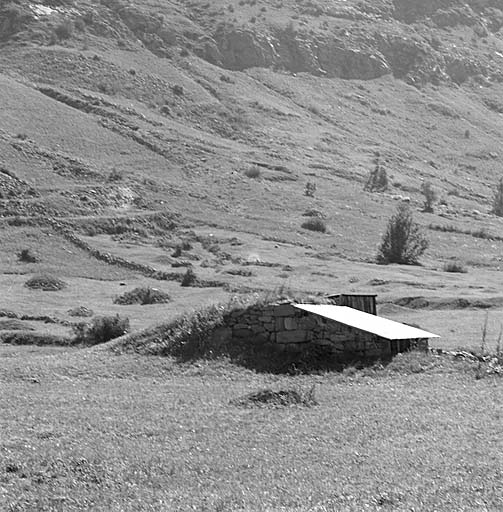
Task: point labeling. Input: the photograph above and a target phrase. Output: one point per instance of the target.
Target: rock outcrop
(414, 40)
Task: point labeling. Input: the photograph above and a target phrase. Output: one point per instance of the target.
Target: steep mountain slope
(114, 113)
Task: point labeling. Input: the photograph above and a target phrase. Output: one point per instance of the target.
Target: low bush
(184, 246)
(177, 90)
(26, 256)
(315, 224)
(115, 175)
(313, 213)
(81, 311)
(253, 172)
(46, 283)
(64, 30)
(100, 330)
(13, 324)
(33, 338)
(189, 278)
(454, 266)
(143, 295)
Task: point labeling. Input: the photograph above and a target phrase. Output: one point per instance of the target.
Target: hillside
(128, 130)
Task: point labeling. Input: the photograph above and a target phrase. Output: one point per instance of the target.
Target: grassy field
(161, 138)
(84, 430)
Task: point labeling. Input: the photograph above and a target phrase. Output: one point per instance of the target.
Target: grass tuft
(279, 398)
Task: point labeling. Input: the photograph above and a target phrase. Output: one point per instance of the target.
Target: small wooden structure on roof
(363, 302)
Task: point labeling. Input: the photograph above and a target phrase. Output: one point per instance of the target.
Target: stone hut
(346, 332)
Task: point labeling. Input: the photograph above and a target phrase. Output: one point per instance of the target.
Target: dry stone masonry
(284, 325)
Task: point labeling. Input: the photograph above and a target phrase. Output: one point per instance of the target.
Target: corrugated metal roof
(364, 321)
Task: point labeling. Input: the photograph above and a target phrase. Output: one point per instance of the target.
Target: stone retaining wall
(296, 330)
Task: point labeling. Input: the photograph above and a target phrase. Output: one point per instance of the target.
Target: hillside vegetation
(162, 161)
(238, 139)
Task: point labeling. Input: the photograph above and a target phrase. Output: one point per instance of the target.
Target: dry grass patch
(278, 398)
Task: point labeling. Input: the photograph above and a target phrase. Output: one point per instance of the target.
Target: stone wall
(285, 326)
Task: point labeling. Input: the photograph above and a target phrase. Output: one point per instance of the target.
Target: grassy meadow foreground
(84, 430)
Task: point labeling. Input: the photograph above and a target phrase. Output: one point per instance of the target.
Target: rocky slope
(420, 42)
(114, 107)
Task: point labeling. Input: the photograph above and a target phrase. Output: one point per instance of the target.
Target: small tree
(430, 196)
(498, 200)
(403, 241)
(378, 179)
(310, 189)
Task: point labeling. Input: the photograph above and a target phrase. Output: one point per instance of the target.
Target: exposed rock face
(410, 11)
(241, 49)
(295, 52)
(414, 40)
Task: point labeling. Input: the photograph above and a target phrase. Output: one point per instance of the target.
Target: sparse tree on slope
(498, 200)
(403, 241)
(430, 196)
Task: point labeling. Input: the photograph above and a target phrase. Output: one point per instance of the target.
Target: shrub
(46, 283)
(454, 266)
(13, 324)
(184, 246)
(143, 295)
(80, 24)
(315, 224)
(377, 180)
(189, 278)
(403, 241)
(177, 90)
(101, 329)
(253, 172)
(33, 338)
(310, 189)
(115, 175)
(313, 213)
(497, 208)
(27, 256)
(64, 30)
(81, 311)
(430, 196)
